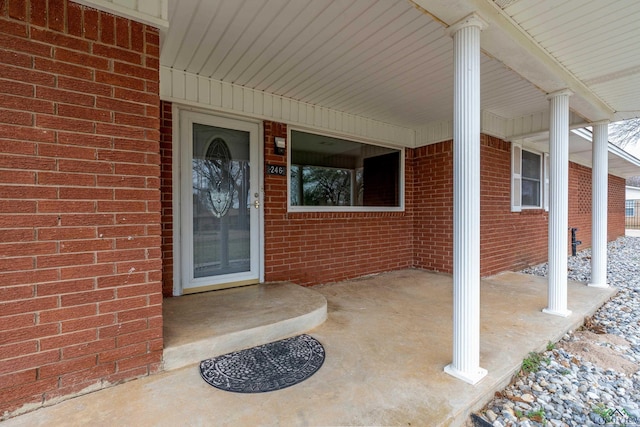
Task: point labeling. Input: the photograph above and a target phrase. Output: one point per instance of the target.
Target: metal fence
(632, 213)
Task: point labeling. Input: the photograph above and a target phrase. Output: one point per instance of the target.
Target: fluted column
(599, 188)
(466, 201)
(558, 202)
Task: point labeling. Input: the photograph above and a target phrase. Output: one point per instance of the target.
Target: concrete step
(200, 326)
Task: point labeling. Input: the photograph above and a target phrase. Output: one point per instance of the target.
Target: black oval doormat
(266, 367)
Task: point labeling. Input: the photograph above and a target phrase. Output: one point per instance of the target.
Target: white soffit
(378, 59)
(152, 12)
(597, 41)
(548, 42)
(392, 62)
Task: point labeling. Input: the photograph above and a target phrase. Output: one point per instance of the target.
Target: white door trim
(179, 257)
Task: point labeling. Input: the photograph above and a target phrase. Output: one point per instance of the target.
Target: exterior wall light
(280, 145)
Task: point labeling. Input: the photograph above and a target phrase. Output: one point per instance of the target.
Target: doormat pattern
(267, 367)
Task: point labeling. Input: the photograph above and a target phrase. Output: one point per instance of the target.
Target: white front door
(220, 202)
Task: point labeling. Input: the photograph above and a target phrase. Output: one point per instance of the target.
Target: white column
(599, 189)
(466, 201)
(558, 202)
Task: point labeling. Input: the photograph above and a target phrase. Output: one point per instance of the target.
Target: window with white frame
(328, 173)
(630, 208)
(529, 179)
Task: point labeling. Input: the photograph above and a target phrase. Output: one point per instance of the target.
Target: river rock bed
(591, 377)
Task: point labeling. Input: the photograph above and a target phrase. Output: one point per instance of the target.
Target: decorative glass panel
(221, 224)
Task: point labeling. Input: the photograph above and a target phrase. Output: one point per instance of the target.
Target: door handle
(256, 204)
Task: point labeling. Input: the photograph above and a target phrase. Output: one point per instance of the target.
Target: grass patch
(537, 415)
(605, 413)
(533, 362)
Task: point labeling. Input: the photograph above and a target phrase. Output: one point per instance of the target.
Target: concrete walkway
(387, 340)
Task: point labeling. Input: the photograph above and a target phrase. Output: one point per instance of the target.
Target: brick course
(80, 283)
(166, 153)
(508, 240)
(312, 248)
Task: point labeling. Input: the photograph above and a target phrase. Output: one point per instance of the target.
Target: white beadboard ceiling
(391, 61)
(598, 41)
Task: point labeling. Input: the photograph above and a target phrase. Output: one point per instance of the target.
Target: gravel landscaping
(590, 377)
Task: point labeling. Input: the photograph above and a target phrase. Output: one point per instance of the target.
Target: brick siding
(433, 223)
(307, 248)
(616, 202)
(508, 240)
(80, 259)
(166, 186)
(311, 248)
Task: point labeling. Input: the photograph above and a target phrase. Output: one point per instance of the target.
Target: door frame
(176, 174)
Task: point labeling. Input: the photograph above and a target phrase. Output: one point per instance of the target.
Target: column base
(561, 313)
(468, 377)
(598, 285)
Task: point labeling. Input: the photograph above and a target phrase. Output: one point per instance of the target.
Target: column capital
(562, 92)
(472, 20)
(601, 122)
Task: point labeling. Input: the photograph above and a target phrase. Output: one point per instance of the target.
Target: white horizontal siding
(182, 87)
(490, 124)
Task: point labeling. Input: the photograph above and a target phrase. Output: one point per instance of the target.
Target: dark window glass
(531, 182)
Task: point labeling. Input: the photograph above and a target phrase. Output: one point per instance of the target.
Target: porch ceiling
(596, 41)
(384, 60)
(392, 61)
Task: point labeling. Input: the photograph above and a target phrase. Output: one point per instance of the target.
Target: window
(529, 179)
(328, 173)
(630, 208)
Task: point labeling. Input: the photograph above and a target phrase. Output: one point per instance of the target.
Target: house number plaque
(276, 170)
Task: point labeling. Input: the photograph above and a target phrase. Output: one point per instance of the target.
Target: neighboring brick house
(89, 144)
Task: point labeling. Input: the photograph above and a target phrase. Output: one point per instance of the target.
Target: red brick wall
(311, 248)
(509, 240)
(616, 201)
(580, 204)
(80, 261)
(305, 248)
(433, 204)
(166, 187)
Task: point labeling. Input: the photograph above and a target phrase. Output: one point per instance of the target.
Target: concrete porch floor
(387, 339)
(209, 324)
